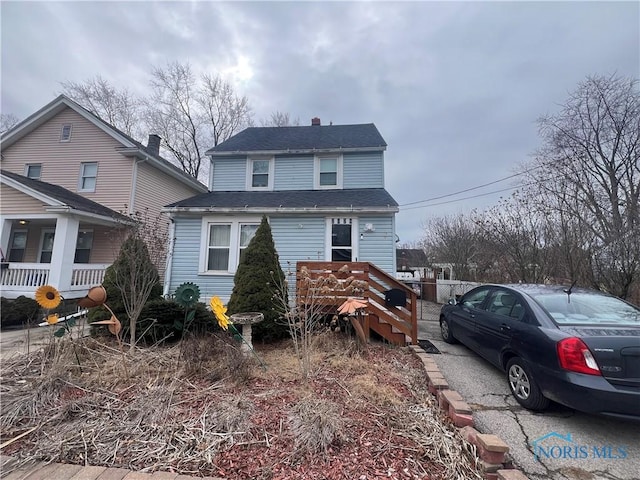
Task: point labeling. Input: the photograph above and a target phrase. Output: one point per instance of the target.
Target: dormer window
(260, 173)
(65, 134)
(328, 171)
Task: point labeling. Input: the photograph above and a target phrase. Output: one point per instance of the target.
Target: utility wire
(470, 189)
(464, 198)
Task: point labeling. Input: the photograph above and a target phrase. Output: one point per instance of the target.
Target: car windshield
(588, 308)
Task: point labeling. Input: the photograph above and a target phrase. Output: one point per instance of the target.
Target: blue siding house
(320, 186)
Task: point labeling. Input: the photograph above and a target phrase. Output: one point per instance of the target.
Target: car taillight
(575, 356)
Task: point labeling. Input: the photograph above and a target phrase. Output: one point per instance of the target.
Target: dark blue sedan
(577, 347)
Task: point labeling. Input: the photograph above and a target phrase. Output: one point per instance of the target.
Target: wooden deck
(327, 285)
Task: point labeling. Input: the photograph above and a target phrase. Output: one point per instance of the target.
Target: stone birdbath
(246, 319)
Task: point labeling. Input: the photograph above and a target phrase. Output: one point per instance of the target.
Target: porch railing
(395, 323)
(25, 275)
(25, 278)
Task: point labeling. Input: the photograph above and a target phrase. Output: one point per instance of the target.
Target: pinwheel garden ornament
(187, 294)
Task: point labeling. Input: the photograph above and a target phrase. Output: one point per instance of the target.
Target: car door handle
(505, 328)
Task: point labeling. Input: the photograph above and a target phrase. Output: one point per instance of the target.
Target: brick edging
(491, 450)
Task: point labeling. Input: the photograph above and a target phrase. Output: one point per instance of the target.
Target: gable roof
(308, 201)
(302, 139)
(130, 146)
(60, 199)
(411, 257)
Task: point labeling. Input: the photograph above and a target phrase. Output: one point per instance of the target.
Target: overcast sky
(454, 88)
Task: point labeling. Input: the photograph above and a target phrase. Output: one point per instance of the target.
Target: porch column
(5, 234)
(64, 251)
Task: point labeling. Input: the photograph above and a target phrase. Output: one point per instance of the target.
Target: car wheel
(445, 331)
(523, 386)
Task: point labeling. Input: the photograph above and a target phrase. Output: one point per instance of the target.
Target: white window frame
(83, 176)
(249, 180)
(234, 242)
(316, 171)
(65, 132)
(75, 252)
(28, 166)
(41, 247)
(355, 250)
(11, 242)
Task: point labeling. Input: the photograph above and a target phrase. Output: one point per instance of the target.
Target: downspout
(169, 264)
(134, 184)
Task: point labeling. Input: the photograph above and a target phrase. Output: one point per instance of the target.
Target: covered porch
(67, 252)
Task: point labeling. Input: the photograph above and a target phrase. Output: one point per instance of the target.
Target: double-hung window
(33, 171)
(260, 173)
(224, 242)
(17, 245)
(88, 176)
(328, 171)
(83, 246)
(46, 245)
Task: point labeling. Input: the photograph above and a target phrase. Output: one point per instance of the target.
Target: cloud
(454, 87)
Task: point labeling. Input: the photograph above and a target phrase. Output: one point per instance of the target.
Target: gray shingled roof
(357, 198)
(316, 137)
(73, 200)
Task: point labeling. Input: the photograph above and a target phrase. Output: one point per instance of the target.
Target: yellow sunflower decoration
(48, 297)
(53, 318)
(220, 311)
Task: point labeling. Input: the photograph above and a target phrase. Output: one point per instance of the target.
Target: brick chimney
(153, 145)
(315, 121)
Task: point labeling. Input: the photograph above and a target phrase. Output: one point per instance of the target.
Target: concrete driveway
(569, 445)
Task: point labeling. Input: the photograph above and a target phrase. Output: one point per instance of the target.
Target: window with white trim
(65, 133)
(17, 246)
(88, 176)
(260, 173)
(46, 245)
(33, 171)
(83, 246)
(223, 243)
(328, 171)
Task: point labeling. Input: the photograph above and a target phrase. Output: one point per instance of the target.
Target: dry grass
(203, 407)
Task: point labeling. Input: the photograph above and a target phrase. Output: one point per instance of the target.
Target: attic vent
(65, 134)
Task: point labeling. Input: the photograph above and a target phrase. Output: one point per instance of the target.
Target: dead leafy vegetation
(203, 408)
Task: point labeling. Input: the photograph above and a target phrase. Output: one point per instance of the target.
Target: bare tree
(119, 107)
(517, 239)
(191, 114)
(280, 119)
(7, 121)
(137, 271)
(452, 239)
(589, 174)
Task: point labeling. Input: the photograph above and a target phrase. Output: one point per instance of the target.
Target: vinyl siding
(378, 247)
(15, 202)
(363, 170)
(296, 238)
(154, 189)
(61, 160)
(229, 174)
(293, 173)
(106, 243)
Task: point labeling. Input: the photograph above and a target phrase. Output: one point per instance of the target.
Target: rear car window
(588, 309)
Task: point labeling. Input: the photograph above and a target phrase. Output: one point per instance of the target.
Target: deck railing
(334, 283)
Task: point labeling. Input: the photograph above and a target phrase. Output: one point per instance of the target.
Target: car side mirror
(452, 301)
